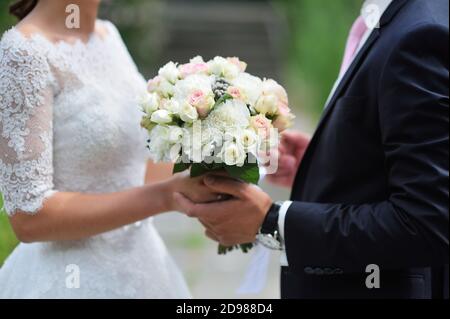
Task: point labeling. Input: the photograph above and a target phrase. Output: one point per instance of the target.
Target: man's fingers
(295, 138)
(211, 235)
(220, 173)
(205, 224)
(213, 212)
(186, 205)
(226, 185)
(280, 181)
(288, 162)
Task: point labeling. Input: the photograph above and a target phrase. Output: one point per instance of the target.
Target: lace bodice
(68, 118)
(69, 122)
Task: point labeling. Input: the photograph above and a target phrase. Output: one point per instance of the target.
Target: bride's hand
(193, 188)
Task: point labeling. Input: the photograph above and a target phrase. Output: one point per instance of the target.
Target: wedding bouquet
(210, 116)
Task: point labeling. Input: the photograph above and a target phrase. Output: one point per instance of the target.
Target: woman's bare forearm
(158, 172)
(74, 216)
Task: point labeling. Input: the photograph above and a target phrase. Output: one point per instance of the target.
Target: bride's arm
(38, 211)
(157, 172)
(73, 216)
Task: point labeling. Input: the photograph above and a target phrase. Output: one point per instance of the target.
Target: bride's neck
(56, 15)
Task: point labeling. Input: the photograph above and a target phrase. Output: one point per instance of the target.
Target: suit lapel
(349, 75)
(385, 19)
(359, 59)
(392, 11)
(327, 112)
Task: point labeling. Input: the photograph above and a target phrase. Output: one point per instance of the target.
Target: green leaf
(248, 173)
(181, 167)
(199, 169)
(223, 250)
(223, 99)
(217, 166)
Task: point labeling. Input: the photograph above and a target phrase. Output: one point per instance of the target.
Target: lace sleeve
(26, 97)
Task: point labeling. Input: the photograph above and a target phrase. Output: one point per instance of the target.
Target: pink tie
(357, 32)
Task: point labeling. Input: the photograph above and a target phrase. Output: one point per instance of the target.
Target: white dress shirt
(372, 11)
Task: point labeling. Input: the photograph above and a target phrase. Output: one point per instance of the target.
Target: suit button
(319, 272)
(338, 271)
(309, 271)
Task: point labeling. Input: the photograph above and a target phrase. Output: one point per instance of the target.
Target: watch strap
(270, 224)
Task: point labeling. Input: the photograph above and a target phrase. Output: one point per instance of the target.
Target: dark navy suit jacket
(373, 187)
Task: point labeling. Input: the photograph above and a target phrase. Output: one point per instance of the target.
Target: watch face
(269, 241)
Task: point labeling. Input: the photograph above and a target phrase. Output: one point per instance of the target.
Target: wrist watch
(269, 234)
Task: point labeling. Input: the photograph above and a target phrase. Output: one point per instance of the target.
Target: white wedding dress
(69, 122)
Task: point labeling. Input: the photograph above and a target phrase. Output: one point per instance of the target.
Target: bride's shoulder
(23, 53)
(22, 39)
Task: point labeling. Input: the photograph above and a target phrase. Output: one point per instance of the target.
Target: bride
(72, 163)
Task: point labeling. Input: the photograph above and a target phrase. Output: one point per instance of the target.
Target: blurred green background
(307, 39)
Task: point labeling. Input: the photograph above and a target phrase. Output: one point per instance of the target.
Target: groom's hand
(232, 222)
(291, 151)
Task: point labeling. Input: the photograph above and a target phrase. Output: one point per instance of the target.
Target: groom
(372, 187)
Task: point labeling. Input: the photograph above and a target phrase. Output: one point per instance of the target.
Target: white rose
(166, 89)
(172, 106)
(267, 104)
(271, 87)
(162, 117)
(230, 136)
(250, 87)
(175, 134)
(159, 145)
(233, 154)
(208, 150)
(149, 102)
(174, 153)
(197, 82)
(223, 68)
(188, 113)
(197, 60)
(249, 140)
(170, 72)
(240, 64)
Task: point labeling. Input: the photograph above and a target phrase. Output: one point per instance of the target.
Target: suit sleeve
(411, 228)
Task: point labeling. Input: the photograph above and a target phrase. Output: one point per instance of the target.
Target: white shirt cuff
(281, 223)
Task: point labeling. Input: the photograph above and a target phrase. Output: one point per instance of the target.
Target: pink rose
(284, 121)
(202, 102)
(261, 125)
(285, 118)
(241, 65)
(192, 68)
(283, 109)
(235, 93)
(196, 97)
(153, 84)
